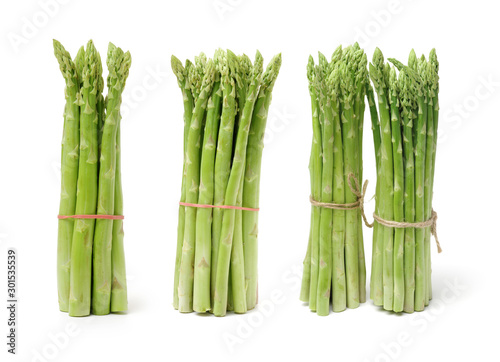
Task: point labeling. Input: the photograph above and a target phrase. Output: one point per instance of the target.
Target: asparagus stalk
(311, 267)
(69, 172)
(349, 130)
(339, 288)
(201, 291)
(101, 104)
(420, 148)
(184, 82)
(86, 203)
(186, 275)
(315, 249)
(378, 74)
(236, 292)
(359, 107)
(118, 67)
(237, 268)
(306, 268)
(119, 301)
(376, 284)
(237, 288)
(429, 165)
(399, 233)
(234, 182)
(433, 61)
(326, 216)
(223, 154)
(306, 263)
(408, 102)
(252, 174)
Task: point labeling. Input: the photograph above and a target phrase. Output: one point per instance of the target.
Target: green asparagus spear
(69, 172)
(361, 78)
(339, 288)
(420, 148)
(349, 130)
(118, 67)
(306, 263)
(237, 268)
(376, 283)
(397, 152)
(408, 102)
(234, 182)
(326, 218)
(201, 291)
(311, 267)
(378, 74)
(186, 275)
(433, 61)
(86, 203)
(119, 300)
(184, 82)
(429, 160)
(237, 290)
(223, 154)
(251, 187)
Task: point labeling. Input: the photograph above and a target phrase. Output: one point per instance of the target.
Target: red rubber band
(217, 206)
(107, 217)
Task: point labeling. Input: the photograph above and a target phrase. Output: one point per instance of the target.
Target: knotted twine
(359, 204)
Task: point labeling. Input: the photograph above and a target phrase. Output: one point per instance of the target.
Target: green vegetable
(379, 76)
(406, 258)
(334, 267)
(81, 253)
(399, 233)
(251, 186)
(408, 102)
(223, 154)
(91, 261)
(119, 301)
(186, 275)
(339, 287)
(227, 168)
(184, 82)
(325, 232)
(118, 67)
(203, 247)
(233, 185)
(310, 276)
(69, 172)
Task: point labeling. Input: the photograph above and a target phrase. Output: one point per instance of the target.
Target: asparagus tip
(178, 69)
(66, 64)
(412, 60)
(337, 55)
(271, 73)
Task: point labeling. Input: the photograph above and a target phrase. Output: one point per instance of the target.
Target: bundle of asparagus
(226, 102)
(334, 266)
(405, 140)
(90, 255)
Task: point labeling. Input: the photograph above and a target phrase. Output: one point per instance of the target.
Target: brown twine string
(359, 204)
(432, 222)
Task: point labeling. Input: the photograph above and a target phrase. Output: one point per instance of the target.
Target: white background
(465, 277)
